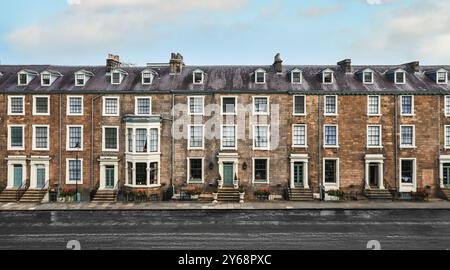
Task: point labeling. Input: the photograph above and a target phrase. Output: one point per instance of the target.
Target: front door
(373, 175)
(18, 174)
(228, 174)
(40, 176)
(109, 173)
(298, 174)
(446, 175)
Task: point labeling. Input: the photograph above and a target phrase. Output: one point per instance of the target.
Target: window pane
(143, 106)
(130, 140)
(23, 79)
(41, 104)
(261, 136)
(330, 135)
(260, 104)
(46, 79)
(116, 77)
(196, 139)
(154, 140)
(328, 77)
(16, 105)
(330, 171)
(229, 105)
(195, 169)
(76, 105)
(196, 104)
(110, 138)
(80, 79)
(374, 104)
(153, 173)
(407, 136)
(368, 77)
(141, 140)
(147, 78)
(41, 137)
(296, 77)
(111, 106)
(40, 174)
(400, 77)
(75, 137)
(299, 135)
(74, 170)
(373, 136)
(299, 104)
(198, 77)
(260, 170)
(406, 104)
(260, 77)
(447, 105)
(228, 136)
(447, 136)
(17, 136)
(407, 171)
(330, 104)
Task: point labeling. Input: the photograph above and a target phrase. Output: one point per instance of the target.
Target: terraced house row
(162, 128)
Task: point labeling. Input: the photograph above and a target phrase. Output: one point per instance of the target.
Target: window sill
(75, 150)
(331, 114)
(16, 114)
(261, 149)
(300, 146)
(374, 115)
(143, 186)
(331, 146)
(110, 150)
(375, 147)
(16, 149)
(194, 181)
(407, 115)
(40, 149)
(196, 114)
(110, 115)
(41, 114)
(408, 147)
(299, 114)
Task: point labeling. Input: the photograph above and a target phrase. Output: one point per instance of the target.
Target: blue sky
(225, 31)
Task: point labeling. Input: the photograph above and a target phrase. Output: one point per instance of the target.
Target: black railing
(20, 191)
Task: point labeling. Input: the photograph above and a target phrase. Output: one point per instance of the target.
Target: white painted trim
(203, 76)
(330, 186)
(404, 76)
(260, 70)
(306, 136)
(189, 105)
(34, 148)
(136, 98)
(254, 106)
(104, 162)
(412, 106)
(235, 105)
(363, 76)
(52, 78)
(85, 78)
(408, 187)
(296, 70)
(337, 136)
(442, 160)
(336, 99)
(68, 106)
(16, 160)
(122, 75)
(68, 182)
(9, 105)
(189, 171)
(304, 105)
(147, 127)
(221, 138)
(254, 138)
(104, 149)
(104, 98)
(189, 137)
(446, 146)
(228, 158)
(374, 158)
(34, 162)
(380, 141)
(152, 77)
(147, 159)
(28, 78)
(323, 76)
(446, 103)
(446, 76)
(34, 105)
(300, 158)
(379, 105)
(67, 138)
(414, 137)
(10, 148)
(254, 171)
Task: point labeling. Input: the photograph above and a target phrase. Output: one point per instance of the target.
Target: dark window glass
(41, 104)
(195, 169)
(260, 170)
(228, 105)
(16, 136)
(330, 171)
(110, 138)
(407, 171)
(299, 104)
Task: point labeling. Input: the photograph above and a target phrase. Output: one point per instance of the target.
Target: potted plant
(194, 193)
(334, 195)
(215, 195)
(219, 181)
(262, 194)
(236, 181)
(241, 194)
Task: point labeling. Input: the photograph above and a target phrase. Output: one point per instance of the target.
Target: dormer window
(400, 77)
(368, 77)
(80, 80)
(198, 77)
(296, 76)
(46, 79)
(25, 76)
(442, 77)
(117, 76)
(260, 76)
(147, 77)
(23, 79)
(49, 77)
(327, 76)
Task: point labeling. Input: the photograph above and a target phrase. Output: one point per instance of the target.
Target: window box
(262, 194)
(334, 195)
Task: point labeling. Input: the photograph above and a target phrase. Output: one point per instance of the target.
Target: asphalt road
(223, 229)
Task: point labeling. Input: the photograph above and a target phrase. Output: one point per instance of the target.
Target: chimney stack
(176, 63)
(414, 66)
(346, 65)
(112, 62)
(278, 63)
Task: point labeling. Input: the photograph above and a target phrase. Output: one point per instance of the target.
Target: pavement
(269, 205)
(335, 229)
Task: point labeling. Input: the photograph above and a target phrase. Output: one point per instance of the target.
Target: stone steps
(33, 196)
(228, 195)
(446, 193)
(300, 194)
(8, 195)
(105, 196)
(378, 194)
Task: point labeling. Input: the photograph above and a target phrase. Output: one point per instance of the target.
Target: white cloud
(102, 24)
(320, 11)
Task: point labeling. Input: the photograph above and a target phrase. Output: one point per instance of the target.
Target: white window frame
(104, 98)
(198, 71)
(325, 105)
(68, 182)
(23, 138)
(18, 78)
(380, 141)
(221, 138)
(446, 76)
(324, 136)
(330, 186)
(446, 103)
(68, 106)
(104, 149)
(323, 76)
(446, 146)
(9, 105)
(34, 148)
(404, 77)
(412, 106)
(368, 105)
(68, 139)
(34, 105)
(292, 76)
(189, 138)
(50, 79)
(189, 105)
(402, 146)
(254, 137)
(188, 173)
(413, 185)
(120, 78)
(254, 105)
(84, 79)
(304, 105)
(254, 170)
(136, 105)
(256, 76)
(306, 136)
(364, 77)
(235, 105)
(146, 72)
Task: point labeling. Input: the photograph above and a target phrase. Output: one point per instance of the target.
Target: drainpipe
(172, 157)
(60, 143)
(319, 147)
(396, 140)
(91, 177)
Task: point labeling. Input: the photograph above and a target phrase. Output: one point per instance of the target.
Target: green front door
(40, 176)
(18, 174)
(228, 174)
(298, 174)
(109, 172)
(446, 172)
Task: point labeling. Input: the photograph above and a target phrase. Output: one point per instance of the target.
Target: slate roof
(227, 79)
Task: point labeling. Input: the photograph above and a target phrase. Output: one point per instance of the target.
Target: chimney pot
(176, 63)
(414, 66)
(346, 65)
(112, 62)
(278, 63)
